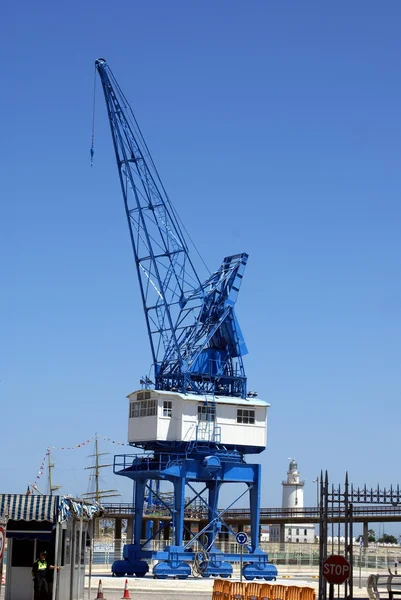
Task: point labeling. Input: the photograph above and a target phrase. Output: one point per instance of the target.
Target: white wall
(189, 420)
(182, 424)
(157, 427)
(169, 428)
(293, 496)
(19, 584)
(142, 429)
(74, 563)
(300, 533)
(241, 434)
(292, 533)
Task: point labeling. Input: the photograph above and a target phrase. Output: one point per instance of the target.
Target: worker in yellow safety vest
(40, 573)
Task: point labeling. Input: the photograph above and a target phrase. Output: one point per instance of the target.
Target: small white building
(264, 535)
(55, 524)
(160, 416)
(293, 498)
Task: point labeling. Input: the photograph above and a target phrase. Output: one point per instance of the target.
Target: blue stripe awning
(21, 507)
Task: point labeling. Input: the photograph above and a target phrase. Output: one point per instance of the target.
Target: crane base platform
(216, 569)
(174, 569)
(254, 571)
(177, 562)
(121, 568)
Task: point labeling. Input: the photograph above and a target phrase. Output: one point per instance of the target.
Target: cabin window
(297, 532)
(305, 532)
(206, 412)
(22, 553)
(151, 408)
(79, 559)
(65, 548)
(146, 395)
(143, 408)
(289, 532)
(245, 416)
(167, 408)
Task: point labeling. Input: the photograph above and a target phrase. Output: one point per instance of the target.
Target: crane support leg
(139, 497)
(214, 488)
(179, 507)
(254, 502)
(200, 552)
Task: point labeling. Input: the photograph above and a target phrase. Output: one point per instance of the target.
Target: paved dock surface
(165, 589)
(155, 595)
(192, 588)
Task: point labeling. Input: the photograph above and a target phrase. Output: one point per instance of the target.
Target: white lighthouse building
(293, 499)
(293, 488)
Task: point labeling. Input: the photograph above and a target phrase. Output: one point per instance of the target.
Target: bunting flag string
(88, 441)
(41, 470)
(106, 439)
(81, 445)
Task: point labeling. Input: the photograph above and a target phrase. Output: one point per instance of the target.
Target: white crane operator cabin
(156, 415)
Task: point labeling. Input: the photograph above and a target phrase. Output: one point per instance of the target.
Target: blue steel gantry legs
(200, 550)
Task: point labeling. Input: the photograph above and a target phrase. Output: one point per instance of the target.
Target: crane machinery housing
(196, 421)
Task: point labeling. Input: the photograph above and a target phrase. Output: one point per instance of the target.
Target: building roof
(208, 398)
(35, 507)
(21, 507)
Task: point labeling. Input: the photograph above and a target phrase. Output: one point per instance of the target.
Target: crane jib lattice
(195, 338)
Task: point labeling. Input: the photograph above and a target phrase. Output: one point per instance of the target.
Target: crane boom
(195, 339)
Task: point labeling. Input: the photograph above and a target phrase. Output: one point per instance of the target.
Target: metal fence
(294, 555)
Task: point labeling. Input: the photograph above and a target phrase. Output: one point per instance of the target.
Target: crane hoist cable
(93, 118)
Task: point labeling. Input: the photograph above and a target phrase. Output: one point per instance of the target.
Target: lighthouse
(293, 499)
(293, 488)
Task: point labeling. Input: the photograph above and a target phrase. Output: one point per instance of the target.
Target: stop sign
(336, 569)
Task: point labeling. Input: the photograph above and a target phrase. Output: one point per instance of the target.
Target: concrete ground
(194, 589)
(151, 595)
(148, 588)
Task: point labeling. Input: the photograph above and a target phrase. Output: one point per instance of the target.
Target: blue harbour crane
(195, 421)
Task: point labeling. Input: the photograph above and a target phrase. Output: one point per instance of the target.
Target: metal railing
(308, 514)
(146, 462)
(287, 555)
(383, 585)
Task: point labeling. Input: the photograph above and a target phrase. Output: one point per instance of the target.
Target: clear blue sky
(276, 129)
